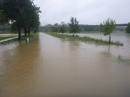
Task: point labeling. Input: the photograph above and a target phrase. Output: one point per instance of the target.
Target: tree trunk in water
(25, 31)
(28, 30)
(73, 34)
(109, 39)
(19, 33)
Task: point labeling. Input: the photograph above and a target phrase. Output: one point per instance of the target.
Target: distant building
(48, 25)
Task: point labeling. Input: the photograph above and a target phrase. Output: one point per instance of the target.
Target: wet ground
(51, 67)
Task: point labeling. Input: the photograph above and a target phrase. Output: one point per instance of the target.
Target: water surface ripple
(52, 67)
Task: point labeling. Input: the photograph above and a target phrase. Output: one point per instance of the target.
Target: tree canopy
(128, 28)
(73, 26)
(107, 27)
(62, 28)
(21, 13)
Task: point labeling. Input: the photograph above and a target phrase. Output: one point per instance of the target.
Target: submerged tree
(128, 28)
(107, 27)
(73, 26)
(62, 28)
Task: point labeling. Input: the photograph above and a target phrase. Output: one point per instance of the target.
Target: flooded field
(51, 67)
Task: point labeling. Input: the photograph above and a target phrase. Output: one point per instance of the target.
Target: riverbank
(85, 39)
(7, 32)
(5, 39)
(97, 32)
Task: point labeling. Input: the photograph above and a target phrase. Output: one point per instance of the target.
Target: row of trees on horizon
(106, 27)
(57, 28)
(24, 14)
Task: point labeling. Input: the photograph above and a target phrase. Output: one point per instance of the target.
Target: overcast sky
(86, 11)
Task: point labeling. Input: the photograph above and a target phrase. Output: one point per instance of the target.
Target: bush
(128, 28)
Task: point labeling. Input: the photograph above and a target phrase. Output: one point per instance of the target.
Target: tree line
(106, 27)
(73, 27)
(20, 14)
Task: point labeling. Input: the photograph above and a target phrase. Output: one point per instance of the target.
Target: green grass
(90, 32)
(10, 32)
(82, 32)
(6, 37)
(85, 39)
(96, 32)
(23, 37)
(120, 58)
(7, 32)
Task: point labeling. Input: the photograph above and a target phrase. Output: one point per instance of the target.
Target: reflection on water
(115, 50)
(52, 67)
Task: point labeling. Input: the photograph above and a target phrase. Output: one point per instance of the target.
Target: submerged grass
(85, 39)
(23, 37)
(126, 60)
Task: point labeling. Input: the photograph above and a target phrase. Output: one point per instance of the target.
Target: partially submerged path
(7, 39)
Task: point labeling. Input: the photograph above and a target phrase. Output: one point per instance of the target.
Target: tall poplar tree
(73, 26)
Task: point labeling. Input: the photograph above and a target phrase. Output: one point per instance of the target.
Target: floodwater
(51, 67)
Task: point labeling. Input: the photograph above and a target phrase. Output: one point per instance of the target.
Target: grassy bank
(6, 37)
(85, 39)
(29, 36)
(23, 38)
(95, 32)
(82, 32)
(7, 32)
(10, 32)
(89, 32)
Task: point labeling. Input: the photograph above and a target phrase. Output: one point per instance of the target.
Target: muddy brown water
(52, 67)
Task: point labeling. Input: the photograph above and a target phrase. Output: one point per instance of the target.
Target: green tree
(52, 30)
(31, 19)
(107, 27)
(34, 19)
(15, 12)
(128, 28)
(23, 13)
(13, 27)
(62, 28)
(73, 26)
(56, 29)
(3, 18)
(56, 25)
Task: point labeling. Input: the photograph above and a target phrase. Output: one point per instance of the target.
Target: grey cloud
(86, 11)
